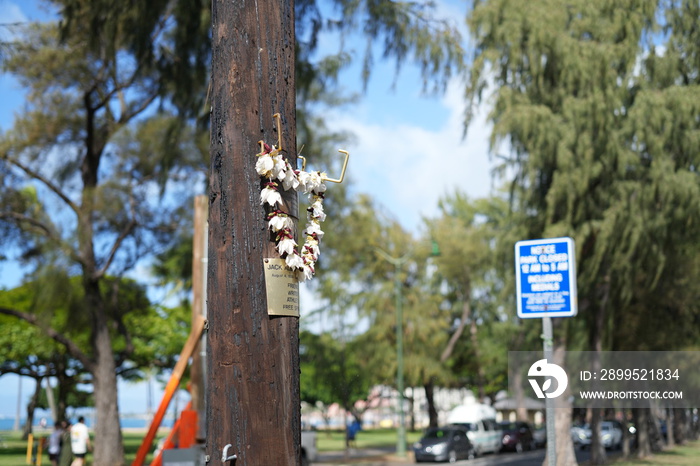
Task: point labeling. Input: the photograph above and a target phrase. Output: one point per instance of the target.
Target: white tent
(470, 411)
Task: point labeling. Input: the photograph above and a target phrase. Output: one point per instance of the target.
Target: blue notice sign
(545, 275)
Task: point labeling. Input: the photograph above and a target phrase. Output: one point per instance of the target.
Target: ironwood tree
(82, 189)
(598, 102)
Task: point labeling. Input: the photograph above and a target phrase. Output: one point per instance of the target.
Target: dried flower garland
(276, 169)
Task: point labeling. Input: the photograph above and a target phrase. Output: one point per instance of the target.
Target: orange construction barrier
(173, 383)
(184, 430)
(187, 435)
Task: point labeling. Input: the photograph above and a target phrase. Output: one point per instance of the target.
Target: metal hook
(303, 159)
(278, 117)
(226, 458)
(342, 174)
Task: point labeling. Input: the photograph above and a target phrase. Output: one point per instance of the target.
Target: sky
(403, 140)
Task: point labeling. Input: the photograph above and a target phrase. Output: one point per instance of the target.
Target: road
(530, 458)
(375, 458)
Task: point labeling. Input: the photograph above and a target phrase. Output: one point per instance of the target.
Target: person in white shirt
(79, 442)
(55, 443)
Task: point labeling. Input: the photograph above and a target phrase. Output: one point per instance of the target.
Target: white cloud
(408, 168)
(10, 13)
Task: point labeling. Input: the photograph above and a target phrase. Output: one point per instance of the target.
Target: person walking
(66, 456)
(79, 442)
(55, 440)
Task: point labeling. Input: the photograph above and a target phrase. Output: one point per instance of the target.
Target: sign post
(545, 275)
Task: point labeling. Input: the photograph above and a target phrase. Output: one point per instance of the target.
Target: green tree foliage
(598, 101)
(25, 350)
(332, 371)
(82, 183)
(169, 40)
(89, 195)
(142, 336)
(468, 232)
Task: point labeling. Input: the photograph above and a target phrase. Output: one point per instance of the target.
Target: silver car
(610, 435)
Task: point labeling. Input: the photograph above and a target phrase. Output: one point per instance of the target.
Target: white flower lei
(272, 166)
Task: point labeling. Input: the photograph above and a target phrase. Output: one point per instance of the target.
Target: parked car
(308, 447)
(517, 436)
(540, 436)
(485, 435)
(449, 443)
(610, 434)
(577, 433)
(480, 421)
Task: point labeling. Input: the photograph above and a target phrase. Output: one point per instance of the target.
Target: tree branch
(49, 233)
(125, 117)
(466, 312)
(37, 176)
(72, 348)
(115, 247)
(19, 218)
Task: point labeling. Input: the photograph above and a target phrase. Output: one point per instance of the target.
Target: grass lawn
(686, 455)
(331, 440)
(13, 450)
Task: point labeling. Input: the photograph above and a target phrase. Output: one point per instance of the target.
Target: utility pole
(197, 373)
(19, 404)
(252, 394)
(398, 263)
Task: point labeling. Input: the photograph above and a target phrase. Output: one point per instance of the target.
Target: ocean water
(128, 423)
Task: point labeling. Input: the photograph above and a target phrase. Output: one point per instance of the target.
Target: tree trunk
(625, 436)
(412, 407)
(253, 398)
(430, 397)
(598, 455)
(108, 446)
(197, 375)
(655, 438)
(477, 357)
(641, 420)
(670, 428)
(562, 415)
(516, 374)
(466, 315)
(680, 425)
(52, 402)
(31, 407)
(62, 386)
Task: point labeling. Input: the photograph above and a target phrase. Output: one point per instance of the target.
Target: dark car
(443, 444)
(517, 436)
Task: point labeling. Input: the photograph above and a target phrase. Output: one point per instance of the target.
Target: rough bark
(655, 438)
(516, 373)
(562, 416)
(109, 449)
(626, 437)
(598, 455)
(430, 396)
(412, 411)
(641, 421)
(670, 428)
(253, 399)
(680, 425)
(197, 376)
